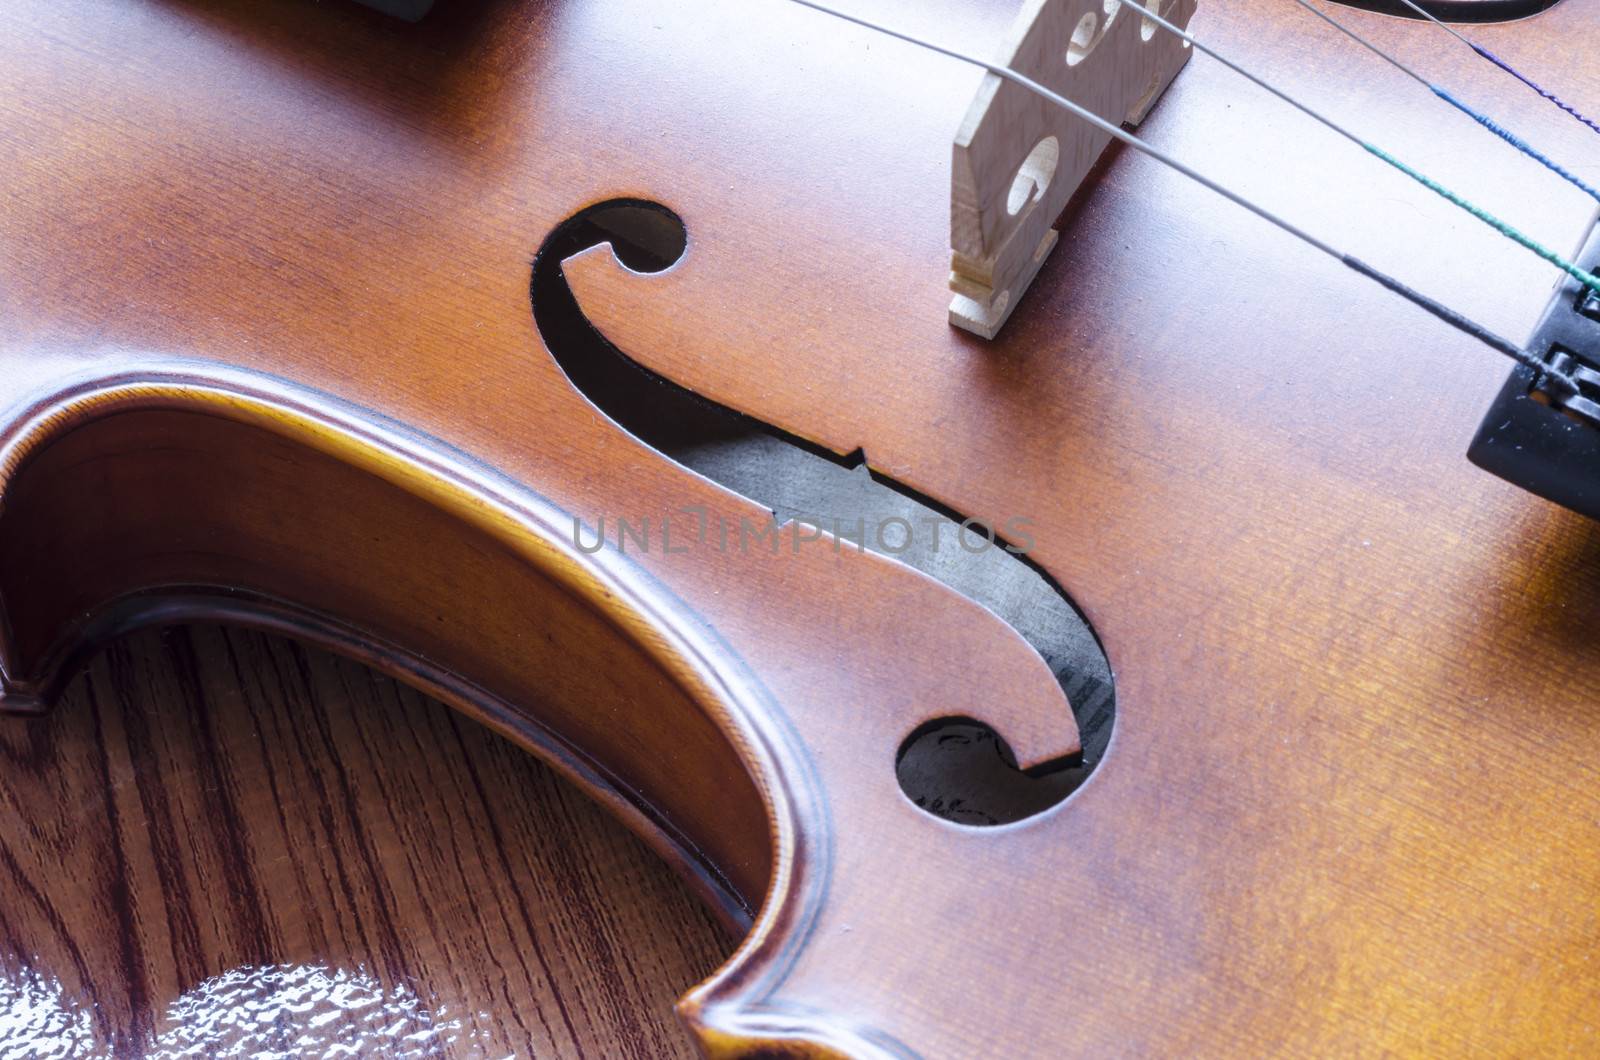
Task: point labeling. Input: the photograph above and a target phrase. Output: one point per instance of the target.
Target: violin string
(1545, 374)
(1485, 53)
(1482, 119)
(1511, 232)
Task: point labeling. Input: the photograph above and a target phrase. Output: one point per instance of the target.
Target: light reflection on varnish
(276, 1011)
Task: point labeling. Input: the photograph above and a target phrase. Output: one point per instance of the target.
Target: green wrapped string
(1588, 279)
(1549, 376)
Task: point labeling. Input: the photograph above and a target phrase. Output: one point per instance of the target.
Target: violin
(1125, 660)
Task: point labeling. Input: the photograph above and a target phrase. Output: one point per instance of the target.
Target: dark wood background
(226, 838)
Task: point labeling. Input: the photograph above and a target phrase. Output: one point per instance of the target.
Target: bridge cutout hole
(1084, 38)
(1034, 175)
(1147, 25)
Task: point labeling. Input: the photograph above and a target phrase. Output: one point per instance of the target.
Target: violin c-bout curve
(155, 490)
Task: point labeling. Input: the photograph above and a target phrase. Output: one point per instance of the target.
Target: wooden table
(222, 837)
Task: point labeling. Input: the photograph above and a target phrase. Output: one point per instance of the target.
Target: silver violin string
(1505, 228)
(1462, 323)
(1200, 46)
(1437, 21)
(1007, 74)
(1449, 97)
(1371, 47)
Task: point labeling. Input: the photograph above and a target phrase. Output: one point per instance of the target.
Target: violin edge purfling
(1347, 807)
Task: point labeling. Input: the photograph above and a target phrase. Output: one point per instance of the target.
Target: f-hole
(952, 767)
(1459, 10)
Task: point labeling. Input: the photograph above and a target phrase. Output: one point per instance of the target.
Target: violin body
(267, 354)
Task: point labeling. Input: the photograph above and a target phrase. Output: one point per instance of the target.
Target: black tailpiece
(1539, 437)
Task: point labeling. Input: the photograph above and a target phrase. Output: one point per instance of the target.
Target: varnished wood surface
(1351, 802)
(212, 820)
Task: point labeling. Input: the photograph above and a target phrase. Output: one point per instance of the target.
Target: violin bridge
(1018, 159)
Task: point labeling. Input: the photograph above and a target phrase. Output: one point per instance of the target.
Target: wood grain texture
(205, 803)
(1351, 804)
(1357, 725)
